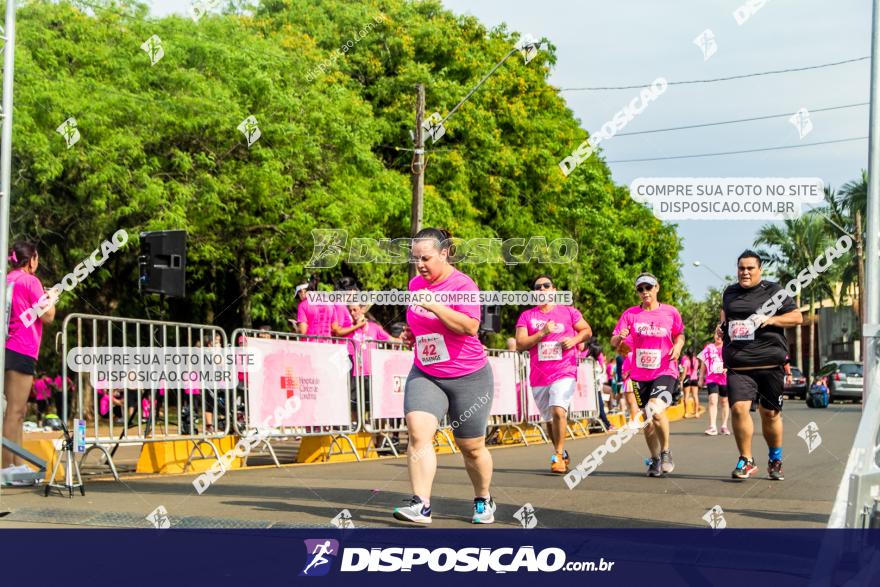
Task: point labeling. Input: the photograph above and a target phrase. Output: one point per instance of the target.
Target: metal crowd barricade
(388, 428)
(526, 421)
(131, 416)
(337, 433)
(511, 419)
(576, 419)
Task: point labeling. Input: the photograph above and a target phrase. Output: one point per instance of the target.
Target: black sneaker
(654, 468)
(745, 468)
(774, 469)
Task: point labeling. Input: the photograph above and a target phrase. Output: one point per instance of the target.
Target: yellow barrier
(316, 449)
(41, 444)
(170, 456)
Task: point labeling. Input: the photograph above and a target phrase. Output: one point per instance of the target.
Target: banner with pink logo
(584, 398)
(388, 380)
(316, 373)
(505, 400)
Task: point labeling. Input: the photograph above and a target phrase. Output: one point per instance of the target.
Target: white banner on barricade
(505, 400)
(584, 399)
(532, 412)
(388, 379)
(317, 373)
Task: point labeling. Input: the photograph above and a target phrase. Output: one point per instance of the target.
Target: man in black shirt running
(754, 316)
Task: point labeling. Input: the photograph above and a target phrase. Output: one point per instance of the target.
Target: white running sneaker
(484, 510)
(415, 512)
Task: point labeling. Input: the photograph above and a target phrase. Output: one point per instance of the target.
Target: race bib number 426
(431, 349)
(550, 351)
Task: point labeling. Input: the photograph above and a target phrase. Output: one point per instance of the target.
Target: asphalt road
(616, 495)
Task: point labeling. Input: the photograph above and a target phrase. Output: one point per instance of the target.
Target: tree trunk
(812, 355)
(245, 291)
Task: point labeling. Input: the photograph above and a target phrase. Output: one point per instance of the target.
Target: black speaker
(490, 319)
(163, 263)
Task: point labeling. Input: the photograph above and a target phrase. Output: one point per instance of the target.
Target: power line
(717, 79)
(768, 116)
(739, 152)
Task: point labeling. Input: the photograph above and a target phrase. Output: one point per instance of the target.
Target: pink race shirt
(371, 331)
(625, 369)
(41, 388)
(651, 336)
(690, 367)
(548, 361)
(711, 356)
(27, 289)
(342, 319)
(317, 318)
(440, 352)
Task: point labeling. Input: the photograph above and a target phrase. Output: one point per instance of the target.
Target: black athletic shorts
(691, 383)
(16, 361)
(645, 390)
(717, 388)
(762, 385)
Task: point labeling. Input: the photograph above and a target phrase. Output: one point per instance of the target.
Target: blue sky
(635, 41)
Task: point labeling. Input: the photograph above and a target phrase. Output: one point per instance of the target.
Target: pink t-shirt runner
(27, 290)
(440, 352)
(548, 362)
(711, 356)
(371, 331)
(651, 336)
(690, 367)
(626, 369)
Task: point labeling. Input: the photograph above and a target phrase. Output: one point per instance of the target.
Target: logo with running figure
(715, 518)
(320, 555)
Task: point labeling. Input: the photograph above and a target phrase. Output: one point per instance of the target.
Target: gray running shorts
(467, 400)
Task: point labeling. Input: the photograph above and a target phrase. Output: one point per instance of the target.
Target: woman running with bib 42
(450, 376)
(655, 333)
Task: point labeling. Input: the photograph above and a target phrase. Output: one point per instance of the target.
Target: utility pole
(8, 39)
(418, 172)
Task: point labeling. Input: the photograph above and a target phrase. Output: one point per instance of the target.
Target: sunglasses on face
(545, 285)
(644, 288)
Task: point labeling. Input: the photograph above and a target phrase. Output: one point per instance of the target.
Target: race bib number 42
(648, 358)
(550, 351)
(741, 330)
(431, 349)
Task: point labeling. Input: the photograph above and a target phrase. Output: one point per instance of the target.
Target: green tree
(160, 149)
(794, 246)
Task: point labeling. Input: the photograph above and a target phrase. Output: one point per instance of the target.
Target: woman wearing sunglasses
(654, 332)
(551, 333)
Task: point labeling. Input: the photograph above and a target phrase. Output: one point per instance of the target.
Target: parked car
(845, 380)
(798, 386)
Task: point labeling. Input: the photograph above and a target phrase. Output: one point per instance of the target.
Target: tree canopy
(331, 84)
